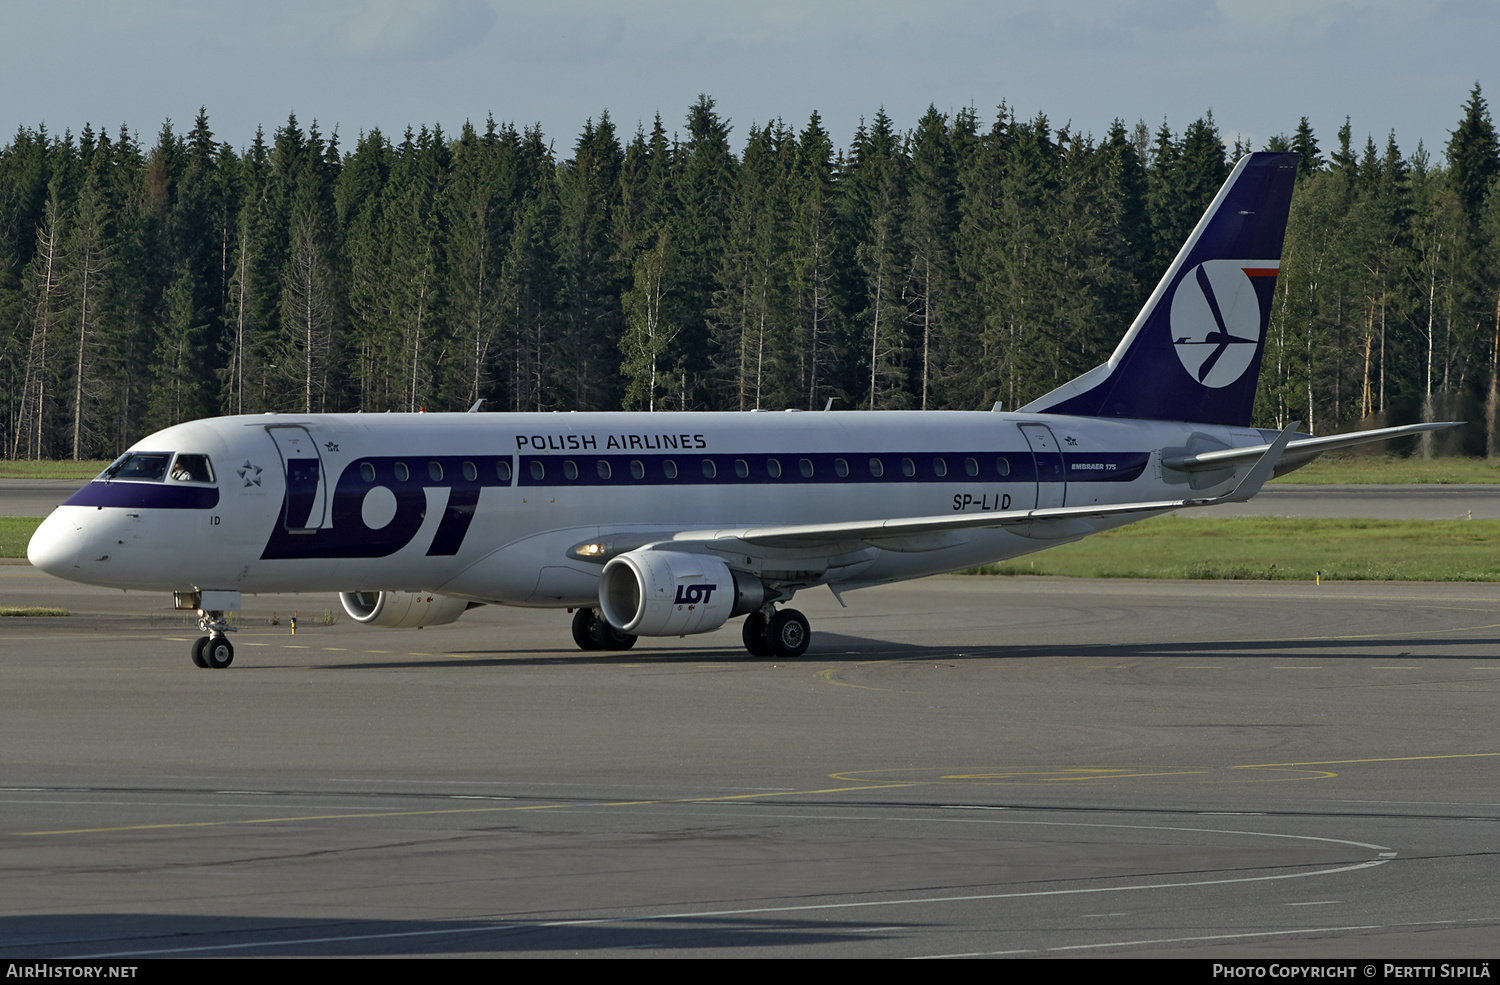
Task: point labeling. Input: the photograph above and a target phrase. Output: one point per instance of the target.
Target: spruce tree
(1305, 143)
(930, 222)
(1473, 156)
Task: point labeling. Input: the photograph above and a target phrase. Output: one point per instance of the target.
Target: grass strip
(15, 531)
(1363, 470)
(1276, 548)
(51, 470)
(30, 610)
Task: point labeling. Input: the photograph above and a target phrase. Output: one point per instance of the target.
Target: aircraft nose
(58, 545)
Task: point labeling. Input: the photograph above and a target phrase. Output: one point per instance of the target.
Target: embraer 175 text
(673, 523)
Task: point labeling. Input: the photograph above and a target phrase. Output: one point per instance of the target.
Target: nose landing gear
(213, 651)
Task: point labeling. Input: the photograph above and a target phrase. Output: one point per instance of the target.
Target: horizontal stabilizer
(1302, 448)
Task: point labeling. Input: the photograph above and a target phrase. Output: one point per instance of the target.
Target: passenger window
(602, 467)
(908, 467)
(570, 469)
(1002, 465)
(402, 473)
(709, 471)
(192, 468)
(742, 468)
(470, 472)
(971, 466)
(434, 472)
(637, 470)
(841, 468)
(806, 468)
(502, 470)
(669, 468)
(877, 467)
(940, 467)
(773, 467)
(538, 470)
(367, 471)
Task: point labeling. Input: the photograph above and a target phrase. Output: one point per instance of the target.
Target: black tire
(607, 637)
(754, 635)
(218, 652)
(584, 621)
(787, 634)
(198, 645)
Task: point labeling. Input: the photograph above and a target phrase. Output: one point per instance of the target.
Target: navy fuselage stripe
(125, 494)
(826, 469)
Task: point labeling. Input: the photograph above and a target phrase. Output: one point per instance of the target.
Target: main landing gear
(213, 651)
(592, 633)
(784, 634)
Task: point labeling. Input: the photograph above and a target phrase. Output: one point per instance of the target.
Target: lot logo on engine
(693, 594)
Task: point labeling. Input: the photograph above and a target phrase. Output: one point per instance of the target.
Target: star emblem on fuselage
(250, 473)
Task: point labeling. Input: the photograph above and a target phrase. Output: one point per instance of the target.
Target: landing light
(592, 551)
(600, 551)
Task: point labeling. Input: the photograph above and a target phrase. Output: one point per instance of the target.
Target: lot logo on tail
(1216, 320)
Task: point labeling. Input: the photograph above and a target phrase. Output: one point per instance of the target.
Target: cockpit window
(192, 468)
(142, 466)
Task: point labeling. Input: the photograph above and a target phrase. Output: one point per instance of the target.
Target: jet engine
(670, 593)
(403, 610)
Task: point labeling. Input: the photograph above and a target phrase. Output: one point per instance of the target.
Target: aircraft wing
(1057, 523)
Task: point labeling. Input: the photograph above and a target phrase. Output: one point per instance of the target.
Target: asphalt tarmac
(34, 497)
(986, 766)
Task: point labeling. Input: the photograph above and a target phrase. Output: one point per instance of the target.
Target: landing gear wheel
(754, 635)
(215, 650)
(607, 637)
(787, 634)
(584, 621)
(218, 652)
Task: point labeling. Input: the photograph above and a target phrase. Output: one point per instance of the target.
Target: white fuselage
(489, 506)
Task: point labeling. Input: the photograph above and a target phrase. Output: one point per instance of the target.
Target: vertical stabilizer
(1194, 351)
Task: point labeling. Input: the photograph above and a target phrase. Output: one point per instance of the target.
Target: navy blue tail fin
(1193, 353)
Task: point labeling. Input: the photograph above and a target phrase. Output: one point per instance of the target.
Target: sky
(1259, 65)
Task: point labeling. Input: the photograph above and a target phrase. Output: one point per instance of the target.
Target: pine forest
(954, 265)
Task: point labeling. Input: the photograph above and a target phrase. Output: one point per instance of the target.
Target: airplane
(671, 524)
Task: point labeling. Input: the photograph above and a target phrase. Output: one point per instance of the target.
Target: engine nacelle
(402, 610)
(670, 593)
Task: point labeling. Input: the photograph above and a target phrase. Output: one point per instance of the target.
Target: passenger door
(1051, 480)
(306, 485)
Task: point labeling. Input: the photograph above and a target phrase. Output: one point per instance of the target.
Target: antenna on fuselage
(829, 406)
(475, 408)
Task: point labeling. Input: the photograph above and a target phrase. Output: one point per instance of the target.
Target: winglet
(1251, 483)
